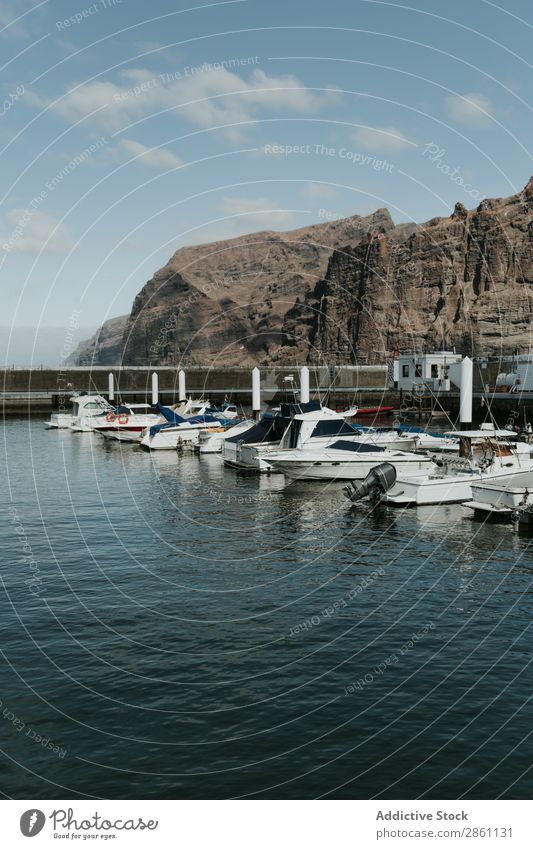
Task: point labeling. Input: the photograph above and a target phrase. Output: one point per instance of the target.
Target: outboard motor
(378, 481)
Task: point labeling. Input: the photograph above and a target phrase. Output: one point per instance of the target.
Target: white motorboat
(346, 460)
(191, 407)
(310, 426)
(314, 430)
(211, 441)
(84, 406)
(125, 423)
(502, 498)
(227, 411)
(489, 457)
(175, 430)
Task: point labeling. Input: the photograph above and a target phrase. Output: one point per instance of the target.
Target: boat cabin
(318, 424)
(87, 405)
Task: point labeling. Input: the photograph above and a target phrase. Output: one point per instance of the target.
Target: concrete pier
(42, 390)
(39, 391)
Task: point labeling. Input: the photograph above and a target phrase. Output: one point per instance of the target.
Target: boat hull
(445, 489)
(502, 499)
(172, 438)
(346, 469)
(122, 434)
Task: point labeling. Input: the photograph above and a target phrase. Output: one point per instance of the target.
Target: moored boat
(125, 423)
(297, 427)
(83, 406)
(489, 457)
(502, 498)
(211, 441)
(345, 460)
(175, 430)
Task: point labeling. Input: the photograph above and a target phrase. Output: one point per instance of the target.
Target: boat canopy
(265, 430)
(359, 447)
(173, 419)
(169, 414)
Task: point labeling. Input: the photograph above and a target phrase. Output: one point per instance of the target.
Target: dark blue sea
(172, 629)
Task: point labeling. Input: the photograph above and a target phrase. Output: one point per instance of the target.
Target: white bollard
(256, 392)
(304, 385)
(467, 382)
(155, 388)
(182, 392)
(111, 386)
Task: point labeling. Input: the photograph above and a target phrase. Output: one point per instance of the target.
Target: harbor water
(173, 629)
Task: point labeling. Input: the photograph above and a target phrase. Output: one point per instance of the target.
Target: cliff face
(229, 303)
(104, 348)
(345, 291)
(464, 281)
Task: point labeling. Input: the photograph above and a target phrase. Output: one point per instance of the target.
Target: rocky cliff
(463, 281)
(228, 302)
(345, 291)
(104, 348)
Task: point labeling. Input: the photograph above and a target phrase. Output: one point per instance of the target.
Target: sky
(130, 129)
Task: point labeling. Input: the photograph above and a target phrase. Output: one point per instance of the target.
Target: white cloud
(474, 110)
(258, 213)
(318, 191)
(30, 231)
(205, 98)
(383, 140)
(151, 156)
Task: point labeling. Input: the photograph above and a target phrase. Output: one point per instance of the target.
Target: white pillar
(304, 385)
(111, 386)
(465, 403)
(182, 392)
(256, 392)
(155, 388)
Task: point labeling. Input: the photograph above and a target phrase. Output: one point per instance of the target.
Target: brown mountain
(464, 281)
(348, 290)
(227, 302)
(104, 348)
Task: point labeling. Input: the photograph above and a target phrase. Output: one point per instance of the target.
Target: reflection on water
(180, 630)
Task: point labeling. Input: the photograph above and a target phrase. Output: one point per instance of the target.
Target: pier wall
(44, 389)
(41, 390)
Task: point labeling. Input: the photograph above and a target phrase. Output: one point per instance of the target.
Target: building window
(405, 371)
(434, 370)
(418, 370)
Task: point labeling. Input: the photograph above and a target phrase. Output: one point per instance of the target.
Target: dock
(42, 390)
(39, 391)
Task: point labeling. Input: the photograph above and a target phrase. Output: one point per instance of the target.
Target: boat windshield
(333, 427)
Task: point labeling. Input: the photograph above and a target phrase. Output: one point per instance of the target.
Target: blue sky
(128, 129)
